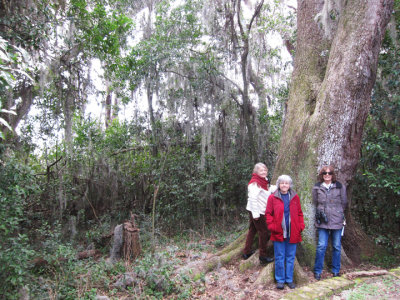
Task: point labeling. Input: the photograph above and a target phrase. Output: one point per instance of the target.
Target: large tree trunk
(329, 101)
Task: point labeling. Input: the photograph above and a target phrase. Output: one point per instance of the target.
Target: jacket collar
(292, 193)
(335, 184)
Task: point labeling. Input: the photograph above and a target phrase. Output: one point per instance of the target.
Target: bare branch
(255, 15)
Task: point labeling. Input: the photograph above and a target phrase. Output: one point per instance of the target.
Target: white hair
(284, 178)
(258, 166)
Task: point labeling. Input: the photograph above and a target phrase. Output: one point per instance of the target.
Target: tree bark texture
(329, 101)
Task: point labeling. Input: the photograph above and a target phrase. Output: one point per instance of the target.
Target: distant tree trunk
(264, 129)
(115, 108)
(108, 107)
(152, 119)
(68, 114)
(334, 72)
(246, 107)
(26, 95)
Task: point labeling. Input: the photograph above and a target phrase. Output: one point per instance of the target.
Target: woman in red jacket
(285, 220)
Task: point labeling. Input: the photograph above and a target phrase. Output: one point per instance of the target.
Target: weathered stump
(126, 242)
(131, 248)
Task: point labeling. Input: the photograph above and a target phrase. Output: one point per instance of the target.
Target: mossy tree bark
(334, 72)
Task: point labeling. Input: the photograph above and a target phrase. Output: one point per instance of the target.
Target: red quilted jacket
(274, 216)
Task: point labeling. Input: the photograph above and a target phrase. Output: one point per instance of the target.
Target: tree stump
(131, 245)
(126, 241)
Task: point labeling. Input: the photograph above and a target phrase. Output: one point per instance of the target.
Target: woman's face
(262, 172)
(284, 187)
(327, 175)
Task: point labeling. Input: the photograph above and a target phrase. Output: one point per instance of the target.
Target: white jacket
(257, 199)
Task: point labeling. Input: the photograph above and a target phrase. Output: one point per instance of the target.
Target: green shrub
(158, 274)
(16, 186)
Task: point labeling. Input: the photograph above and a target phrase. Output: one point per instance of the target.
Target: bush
(16, 186)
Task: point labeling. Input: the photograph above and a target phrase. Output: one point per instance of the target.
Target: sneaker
(266, 260)
(335, 274)
(317, 276)
(280, 285)
(246, 256)
(292, 285)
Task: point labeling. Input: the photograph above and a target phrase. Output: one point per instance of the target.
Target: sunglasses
(327, 173)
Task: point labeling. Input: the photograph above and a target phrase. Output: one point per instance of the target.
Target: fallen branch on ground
(372, 273)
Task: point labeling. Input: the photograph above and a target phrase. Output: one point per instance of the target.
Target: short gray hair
(258, 166)
(284, 178)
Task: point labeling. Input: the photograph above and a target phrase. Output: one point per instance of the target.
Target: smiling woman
(285, 221)
(258, 194)
(330, 199)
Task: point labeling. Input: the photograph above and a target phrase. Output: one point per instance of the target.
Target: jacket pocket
(272, 227)
(336, 216)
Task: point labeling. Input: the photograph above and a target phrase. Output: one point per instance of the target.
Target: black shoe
(266, 260)
(317, 276)
(292, 285)
(335, 274)
(246, 256)
(280, 285)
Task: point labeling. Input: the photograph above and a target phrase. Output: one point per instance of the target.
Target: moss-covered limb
(197, 270)
(233, 254)
(323, 289)
(299, 276)
(239, 242)
(215, 261)
(266, 275)
(249, 263)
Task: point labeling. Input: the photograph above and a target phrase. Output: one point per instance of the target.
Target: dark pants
(257, 226)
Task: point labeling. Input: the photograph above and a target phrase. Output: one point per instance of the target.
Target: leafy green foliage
(378, 182)
(172, 42)
(157, 272)
(101, 30)
(17, 185)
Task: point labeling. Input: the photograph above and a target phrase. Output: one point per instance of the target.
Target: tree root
(233, 252)
(266, 275)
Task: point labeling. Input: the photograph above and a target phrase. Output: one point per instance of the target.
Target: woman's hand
(272, 188)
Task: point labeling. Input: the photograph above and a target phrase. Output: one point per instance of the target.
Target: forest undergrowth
(156, 273)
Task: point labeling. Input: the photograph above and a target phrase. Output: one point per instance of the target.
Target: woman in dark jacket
(330, 199)
(285, 221)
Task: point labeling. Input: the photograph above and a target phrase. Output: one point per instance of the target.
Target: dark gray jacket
(332, 202)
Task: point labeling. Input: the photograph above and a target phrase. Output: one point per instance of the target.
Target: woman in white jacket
(258, 194)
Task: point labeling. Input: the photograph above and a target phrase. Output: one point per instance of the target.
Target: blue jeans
(285, 254)
(323, 236)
